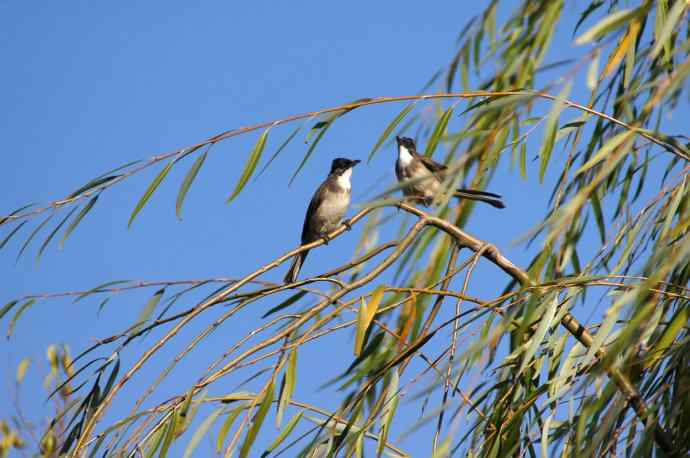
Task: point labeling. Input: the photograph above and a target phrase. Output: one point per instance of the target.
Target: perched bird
(426, 177)
(326, 209)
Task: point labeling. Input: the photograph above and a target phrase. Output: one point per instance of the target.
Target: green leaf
(187, 183)
(316, 141)
(93, 184)
(77, 219)
(169, 434)
(660, 348)
(550, 130)
(438, 132)
(7, 307)
(15, 318)
(288, 387)
(52, 234)
(9, 236)
(201, 432)
(251, 164)
(389, 408)
(257, 421)
(21, 369)
(226, 427)
(390, 128)
(608, 147)
(284, 433)
(4, 219)
(286, 303)
(598, 215)
(150, 190)
(33, 234)
(544, 324)
(150, 306)
(280, 149)
(669, 25)
(366, 315)
(99, 289)
(609, 23)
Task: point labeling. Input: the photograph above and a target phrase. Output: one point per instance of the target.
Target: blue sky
(88, 86)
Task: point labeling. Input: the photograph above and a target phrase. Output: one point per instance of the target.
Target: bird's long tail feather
(487, 197)
(297, 261)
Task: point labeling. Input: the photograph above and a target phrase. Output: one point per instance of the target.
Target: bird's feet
(347, 224)
(325, 238)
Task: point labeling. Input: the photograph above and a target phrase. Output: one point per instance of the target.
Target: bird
(326, 210)
(422, 177)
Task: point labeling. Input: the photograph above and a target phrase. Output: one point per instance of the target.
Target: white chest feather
(344, 180)
(404, 156)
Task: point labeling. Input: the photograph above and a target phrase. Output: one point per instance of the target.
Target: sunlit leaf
(22, 308)
(21, 369)
(251, 164)
(550, 131)
(257, 421)
(609, 23)
(201, 432)
(366, 314)
(77, 219)
(150, 190)
(284, 433)
(390, 128)
(187, 183)
(438, 132)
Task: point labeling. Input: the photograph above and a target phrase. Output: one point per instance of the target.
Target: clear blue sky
(87, 86)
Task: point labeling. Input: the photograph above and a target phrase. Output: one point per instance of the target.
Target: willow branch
(179, 154)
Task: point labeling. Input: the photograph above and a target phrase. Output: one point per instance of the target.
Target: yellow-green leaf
(669, 335)
(551, 129)
(21, 369)
(609, 24)
(227, 424)
(390, 128)
(201, 432)
(288, 387)
(439, 130)
(663, 36)
(9, 236)
(22, 309)
(606, 149)
(77, 219)
(251, 164)
(285, 432)
(187, 183)
(257, 421)
(366, 315)
(169, 434)
(316, 141)
(150, 190)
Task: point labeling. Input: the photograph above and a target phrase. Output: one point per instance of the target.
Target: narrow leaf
(316, 141)
(22, 368)
(390, 128)
(77, 219)
(150, 306)
(257, 421)
(286, 303)
(9, 236)
(15, 318)
(608, 24)
(169, 434)
(150, 190)
(52, 234)
(288, 387)
(438, 132)
(201, 432)
(606, 150)
(7, 307)
(669, 26)
(251, 164)
(538, 336)
(366, 315)
(284, 433)
(227, 424)
(33, 234)
(187, 183)
(550, 131)
(280, 149)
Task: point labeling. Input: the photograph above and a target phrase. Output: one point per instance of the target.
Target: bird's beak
(355, 162)
(398, 139)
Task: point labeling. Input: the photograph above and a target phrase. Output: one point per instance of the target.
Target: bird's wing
(434, 167)
(316, 201)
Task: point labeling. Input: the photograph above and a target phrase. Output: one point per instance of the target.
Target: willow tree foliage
(541, 375)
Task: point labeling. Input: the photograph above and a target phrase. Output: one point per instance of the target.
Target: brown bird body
(423, 178)
(326, 210)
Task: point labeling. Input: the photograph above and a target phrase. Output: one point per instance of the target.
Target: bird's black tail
(291, 275)
(488, 197)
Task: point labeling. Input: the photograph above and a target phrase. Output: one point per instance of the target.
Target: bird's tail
(297, 261)
(488, 197)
